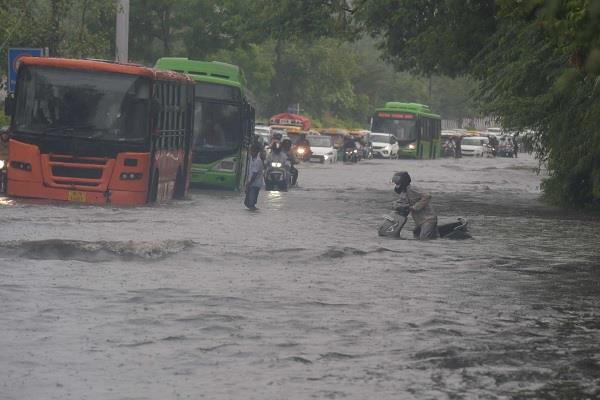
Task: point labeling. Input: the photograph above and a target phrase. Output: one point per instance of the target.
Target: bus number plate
(76, 196)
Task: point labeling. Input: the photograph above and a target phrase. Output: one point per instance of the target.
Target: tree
(538, 65)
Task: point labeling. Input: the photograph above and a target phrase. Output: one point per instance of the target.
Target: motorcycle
(351, 155)
(448, 149)
(302, 153)
(277, 176)
(393, 224)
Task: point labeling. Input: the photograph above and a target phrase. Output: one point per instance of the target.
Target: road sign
(13, 58)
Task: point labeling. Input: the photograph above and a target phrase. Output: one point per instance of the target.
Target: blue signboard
(13, 58)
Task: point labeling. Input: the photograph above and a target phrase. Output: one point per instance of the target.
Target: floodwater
(302, 299)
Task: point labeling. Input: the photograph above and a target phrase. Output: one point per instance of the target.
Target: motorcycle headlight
(411, 146)
(355, 151)
(276, 164)
(1, 164)
(301, 150)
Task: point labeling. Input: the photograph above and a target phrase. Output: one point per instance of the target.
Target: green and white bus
(223, 122)
(414, 126)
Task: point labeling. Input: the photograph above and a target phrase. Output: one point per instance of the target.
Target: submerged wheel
(179, 192)
(153, 193)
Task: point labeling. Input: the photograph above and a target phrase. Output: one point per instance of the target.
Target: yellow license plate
(76, 196)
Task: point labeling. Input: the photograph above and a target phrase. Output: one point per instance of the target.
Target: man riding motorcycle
(302, 148)
(277, 172)
(350, 150)
(286, 147)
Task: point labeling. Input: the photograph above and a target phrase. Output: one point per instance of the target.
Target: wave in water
(79, 250)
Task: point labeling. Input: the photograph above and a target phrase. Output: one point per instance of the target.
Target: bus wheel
(179, 192)
(153, 194)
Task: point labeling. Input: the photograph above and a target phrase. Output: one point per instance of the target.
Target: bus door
(419, 128)
(247, 116)
(188, 140)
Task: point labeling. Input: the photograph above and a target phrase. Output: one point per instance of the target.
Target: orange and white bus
(99, 132)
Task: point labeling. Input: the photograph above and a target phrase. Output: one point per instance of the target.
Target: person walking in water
(255, 178)
(420, 207)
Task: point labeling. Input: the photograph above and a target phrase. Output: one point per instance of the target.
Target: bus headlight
(131, 175)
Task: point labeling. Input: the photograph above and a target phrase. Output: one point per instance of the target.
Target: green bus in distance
(223, 122)
(414, 126)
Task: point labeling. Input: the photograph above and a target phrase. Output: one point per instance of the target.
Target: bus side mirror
(9, 105)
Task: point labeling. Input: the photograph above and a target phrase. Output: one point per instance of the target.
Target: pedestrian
(255, 178)
(515, 146)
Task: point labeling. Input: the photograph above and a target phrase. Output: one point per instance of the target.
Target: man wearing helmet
(420, 207)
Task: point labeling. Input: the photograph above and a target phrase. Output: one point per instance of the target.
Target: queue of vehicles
(100, 132)
(493, 142)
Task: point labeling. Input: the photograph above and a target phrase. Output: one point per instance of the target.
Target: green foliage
(538, 65)
(430, 36)
(291, 52)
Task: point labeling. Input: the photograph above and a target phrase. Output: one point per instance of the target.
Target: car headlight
(325, 157)
(411, 146)
(1, 164)
(355, 151)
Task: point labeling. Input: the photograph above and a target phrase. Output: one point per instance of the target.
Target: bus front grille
(72, 172)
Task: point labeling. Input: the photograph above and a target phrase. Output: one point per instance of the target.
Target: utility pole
(122, 37)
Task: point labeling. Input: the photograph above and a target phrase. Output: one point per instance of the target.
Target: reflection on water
(5, 201)
(200, 298)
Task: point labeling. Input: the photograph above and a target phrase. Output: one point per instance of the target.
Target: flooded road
(302, 299)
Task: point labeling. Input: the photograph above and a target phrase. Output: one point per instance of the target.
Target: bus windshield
(85, 104)
(218, 129)
(402, 129)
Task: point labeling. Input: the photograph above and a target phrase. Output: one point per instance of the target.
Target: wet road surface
(302, 299)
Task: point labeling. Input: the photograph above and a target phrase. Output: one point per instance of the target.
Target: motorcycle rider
(349, 144)
(494, 144)
(286, 147)
(420, 207)
(303, 141)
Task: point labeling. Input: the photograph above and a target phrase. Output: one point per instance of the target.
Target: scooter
(351, 155)
(393, 224)
(277, 176)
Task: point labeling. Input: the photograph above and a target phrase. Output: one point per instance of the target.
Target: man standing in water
(255, 178)
(422, 212)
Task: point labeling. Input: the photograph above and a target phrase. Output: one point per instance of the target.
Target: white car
(476, 146)
(264, 134)
(384, 145)
(322, 149)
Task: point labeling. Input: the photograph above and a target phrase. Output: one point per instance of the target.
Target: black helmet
(277, 135)
(401, 179)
